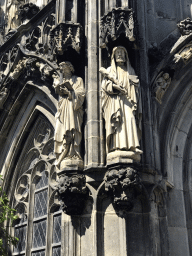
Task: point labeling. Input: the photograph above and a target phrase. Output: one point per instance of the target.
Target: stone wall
(95, 123)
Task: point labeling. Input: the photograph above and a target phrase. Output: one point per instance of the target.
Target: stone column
(106, 5)
(74, 12)
(112, 4)
(60, 11)
(92, 149)
(124, 3)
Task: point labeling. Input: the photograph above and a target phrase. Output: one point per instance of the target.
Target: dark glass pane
(20, 232)
(57, 251)
(41, 253)
(39, 234)
(40, 203)
(43, 181)
(57, 229)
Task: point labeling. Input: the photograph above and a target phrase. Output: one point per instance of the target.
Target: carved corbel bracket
(65, 35)
(114, 23)
(72, 193)
(124, 185)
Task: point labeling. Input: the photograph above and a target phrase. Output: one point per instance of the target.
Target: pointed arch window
(39, 224)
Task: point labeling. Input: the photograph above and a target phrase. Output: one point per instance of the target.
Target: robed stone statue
(69, 117)
(122, 111)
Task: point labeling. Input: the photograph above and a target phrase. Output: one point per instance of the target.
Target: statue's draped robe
(119, 111)
(69, 119)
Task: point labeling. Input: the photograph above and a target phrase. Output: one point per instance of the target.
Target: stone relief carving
(114, 23)
(184, 54)
(25, 64)
(185, 26)
(162, 83)
(122, 109)
(72, 193)
(69, 117)
(124, 185)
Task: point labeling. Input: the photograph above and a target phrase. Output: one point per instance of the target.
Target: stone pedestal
(72, 163)
(124, 157)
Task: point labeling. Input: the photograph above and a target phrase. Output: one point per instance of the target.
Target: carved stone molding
(65, 35)
(72, 193)
(185, 26)
(124, 184)
(161, 84)
(114, 23)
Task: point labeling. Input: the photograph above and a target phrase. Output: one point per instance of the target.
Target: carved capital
(72, 193)
(124, 185)
(114, 23)
(65, 35)
(185, 26)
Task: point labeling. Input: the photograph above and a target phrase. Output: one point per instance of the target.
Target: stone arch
(37, 103)
(173, 127)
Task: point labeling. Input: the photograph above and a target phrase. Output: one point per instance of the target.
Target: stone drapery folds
(121, 106)
(69, 116)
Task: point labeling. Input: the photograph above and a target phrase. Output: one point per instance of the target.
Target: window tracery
(36, 202)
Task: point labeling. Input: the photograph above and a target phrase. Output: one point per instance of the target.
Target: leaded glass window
(35, 199)
(56, 243)
(40, 214)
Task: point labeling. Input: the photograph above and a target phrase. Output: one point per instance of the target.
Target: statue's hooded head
(123, 56)
(66, 65)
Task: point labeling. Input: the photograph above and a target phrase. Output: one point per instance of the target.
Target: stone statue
(162, 83)
(122, 109)
(69, 117)
(13, 14)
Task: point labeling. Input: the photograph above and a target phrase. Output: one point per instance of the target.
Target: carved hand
(120, 88)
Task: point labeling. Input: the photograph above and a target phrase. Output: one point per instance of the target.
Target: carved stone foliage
(114, 23)
(124, 185)
(72, 193)
(39, 40)
(185, 26)
(65, 35)
(161, 84)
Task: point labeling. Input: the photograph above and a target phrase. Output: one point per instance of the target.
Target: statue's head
(119, 55)
(66, 67)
